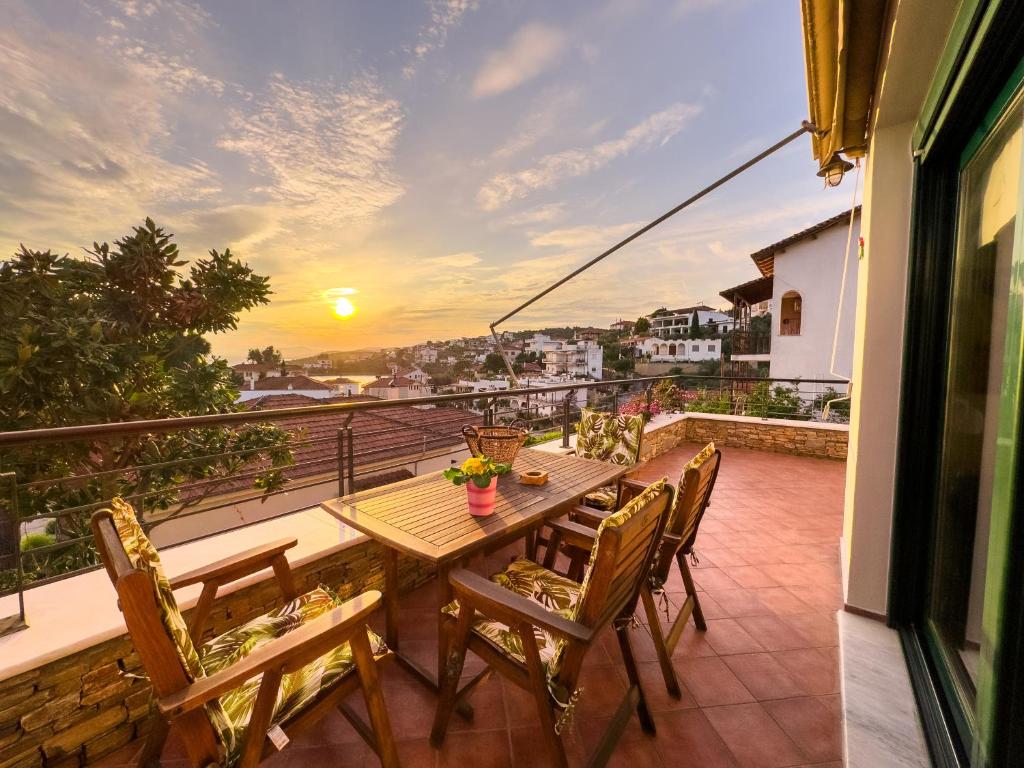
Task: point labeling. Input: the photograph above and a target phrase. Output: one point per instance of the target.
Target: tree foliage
(267, 356)
(642, 326)
(119, 336)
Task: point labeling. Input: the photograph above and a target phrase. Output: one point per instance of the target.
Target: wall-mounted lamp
(834, 170)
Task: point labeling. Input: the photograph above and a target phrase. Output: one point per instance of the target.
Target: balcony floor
(761, 687)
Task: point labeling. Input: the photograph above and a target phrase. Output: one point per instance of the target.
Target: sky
(434, 162)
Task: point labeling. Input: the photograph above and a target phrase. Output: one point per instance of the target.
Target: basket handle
(469, 430)
(519, 424)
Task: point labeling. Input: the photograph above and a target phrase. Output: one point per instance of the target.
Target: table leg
(444, 596)
(391, 598)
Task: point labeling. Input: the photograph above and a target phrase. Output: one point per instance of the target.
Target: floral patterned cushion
(143, 556)
(696, 462)
(633, 506)
(604, 498)
(553, 592)
(606, 437)
(297, 689)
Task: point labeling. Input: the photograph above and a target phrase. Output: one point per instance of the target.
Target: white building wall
(814, 269)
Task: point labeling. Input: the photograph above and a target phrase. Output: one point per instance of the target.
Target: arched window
(789, 314)
(672, 350)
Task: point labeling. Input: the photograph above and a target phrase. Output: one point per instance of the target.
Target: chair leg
(691, 592)
(646, 721)
(449, 683)
(366, 666)
(541, 696)
(664, 657)
(155, 740)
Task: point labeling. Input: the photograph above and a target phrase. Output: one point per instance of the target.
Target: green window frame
(977, 79)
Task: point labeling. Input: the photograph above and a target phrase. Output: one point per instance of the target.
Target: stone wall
(75, 710)
(659, 438)
(824, 441)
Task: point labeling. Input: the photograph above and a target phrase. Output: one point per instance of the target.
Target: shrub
(704, 402)
(780, 402)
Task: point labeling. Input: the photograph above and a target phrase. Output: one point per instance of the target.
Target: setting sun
(344, 308)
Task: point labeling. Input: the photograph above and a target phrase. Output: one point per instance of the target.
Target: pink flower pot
(481, 500)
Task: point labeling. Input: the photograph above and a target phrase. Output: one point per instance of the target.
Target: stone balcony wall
(77, 709)
(799, 438)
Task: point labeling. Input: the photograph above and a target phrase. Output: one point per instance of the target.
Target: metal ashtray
(533, 477)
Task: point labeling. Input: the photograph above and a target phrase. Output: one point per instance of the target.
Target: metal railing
(292, 458)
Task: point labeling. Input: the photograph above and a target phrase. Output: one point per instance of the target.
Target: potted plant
(480, 476)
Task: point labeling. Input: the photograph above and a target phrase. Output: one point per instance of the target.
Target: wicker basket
(500, 444)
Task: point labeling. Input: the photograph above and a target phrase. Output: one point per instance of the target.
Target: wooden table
(427, 517)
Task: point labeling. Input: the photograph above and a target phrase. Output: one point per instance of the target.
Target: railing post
(10, 550)
(567, 402)
(346, 462)
(615, 402)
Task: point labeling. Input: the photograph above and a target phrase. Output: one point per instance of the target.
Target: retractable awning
(842, 39)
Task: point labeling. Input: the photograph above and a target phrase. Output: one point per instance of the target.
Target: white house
(425, 354)
(343, 386)
(678, 351)
(396, 388)
(805, 274)
(284, 385)
(678, 322)
(255, 371)
(571, 357)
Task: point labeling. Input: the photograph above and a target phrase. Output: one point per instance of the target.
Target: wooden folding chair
(534, 627)
(602, 436)
(692, 499)
(237, 696)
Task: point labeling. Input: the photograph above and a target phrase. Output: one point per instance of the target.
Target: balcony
(751, 346)
(766, 570)
(760, 687)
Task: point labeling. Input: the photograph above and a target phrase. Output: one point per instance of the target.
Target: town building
(256, 371)
(396, 387)
(623, 326)
(809, 281)
(285, 385)
(567, 357)
(677, 323)
(684, 350)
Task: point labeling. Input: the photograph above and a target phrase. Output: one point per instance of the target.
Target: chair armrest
(588, 515)
(573, 534)
(286, 653)
(496, 602)
(634, 484)
(236, 566)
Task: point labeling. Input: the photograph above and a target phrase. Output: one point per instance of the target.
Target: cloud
(539, 215)
(458, 260)
(584, 237)
(444, 15)
(328, 150)
(531, 50)
(551, 169)
(78, 166)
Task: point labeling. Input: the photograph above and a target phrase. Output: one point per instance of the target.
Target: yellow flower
(474, 466)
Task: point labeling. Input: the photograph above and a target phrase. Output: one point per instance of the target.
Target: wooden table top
(427, 516)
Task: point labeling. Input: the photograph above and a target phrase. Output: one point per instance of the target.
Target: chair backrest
(609, 437)
(621, 556)
(694, 494)
(154, 622)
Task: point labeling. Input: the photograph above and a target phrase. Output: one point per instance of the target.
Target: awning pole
(805, 127)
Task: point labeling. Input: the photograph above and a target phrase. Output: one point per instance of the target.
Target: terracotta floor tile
(711, 579)
(816, 670)
(653, 683)
(812, 724)
(781, 600)
(775, 633)
(750, 576)
(635, 749)
(711, 682)
(726, 636)
(687, 740)
(764, 676)
(739, 602)
(488, 703)
(753, 736)
(481, 749)
(530, 749)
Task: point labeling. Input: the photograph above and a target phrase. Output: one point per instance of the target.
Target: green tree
(267, 356)
(119, 336)
(642, 326)
(695, 329)
(494, 363)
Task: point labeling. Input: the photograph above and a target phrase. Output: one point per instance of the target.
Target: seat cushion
(609, 437)
(552, 592)
(299, 688)
(604, 498)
